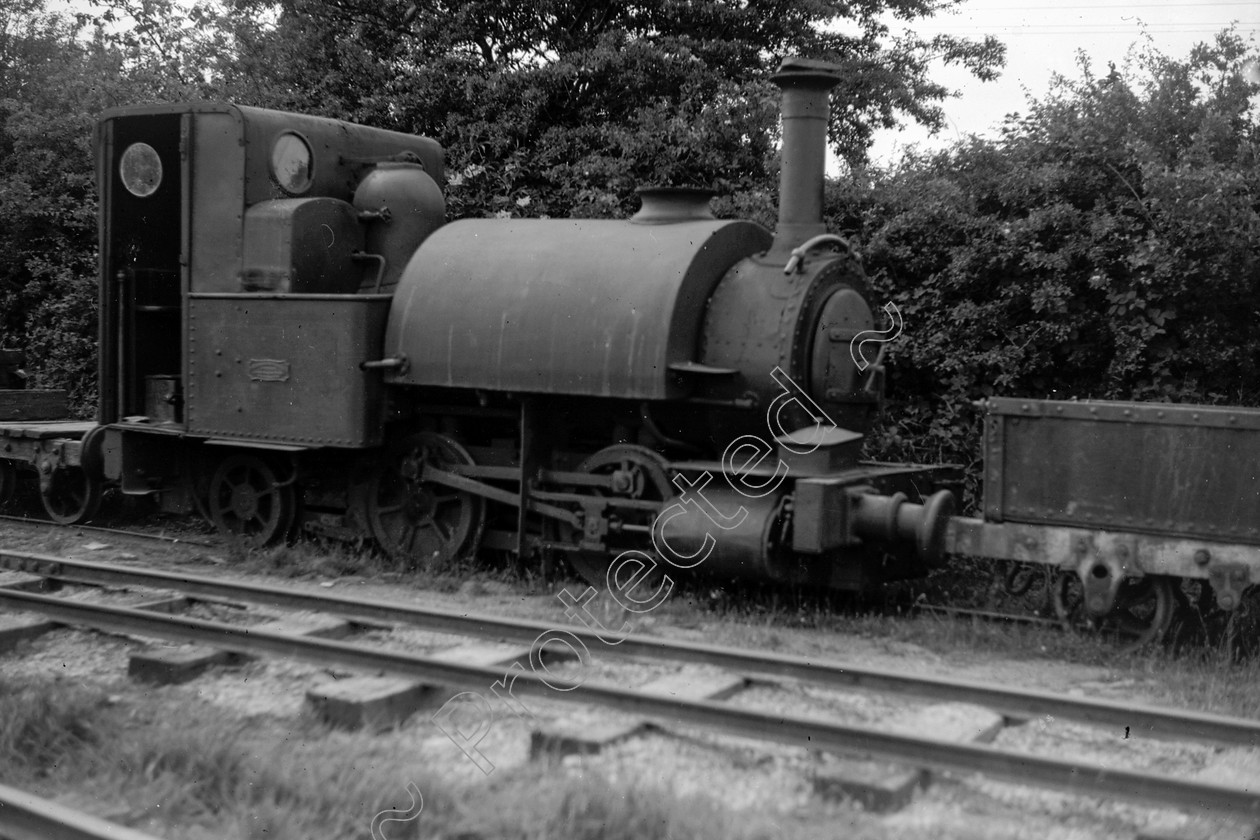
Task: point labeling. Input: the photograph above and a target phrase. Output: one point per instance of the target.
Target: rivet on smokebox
(1202, 557)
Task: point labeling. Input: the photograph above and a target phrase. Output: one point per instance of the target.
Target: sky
(1042, 37)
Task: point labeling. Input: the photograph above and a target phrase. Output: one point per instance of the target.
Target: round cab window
(291, 163)
(140, 169)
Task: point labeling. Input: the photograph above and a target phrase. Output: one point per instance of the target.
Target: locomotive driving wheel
(418, 521)
(249, 502)
(1141, 615)
(637, 473)
(70, 495)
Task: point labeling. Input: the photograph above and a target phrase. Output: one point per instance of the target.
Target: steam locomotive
(292, 336)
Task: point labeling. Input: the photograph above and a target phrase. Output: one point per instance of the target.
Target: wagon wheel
(1143, 610)
(1194, 614)
(1242, 626)
(71, 496)
(641, 474)
(418, 521)
(8, 483)
(249, 502)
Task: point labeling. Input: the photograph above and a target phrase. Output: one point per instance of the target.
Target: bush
(1102, 247)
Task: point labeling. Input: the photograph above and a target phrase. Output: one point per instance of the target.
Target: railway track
(24, 816)
(1013, 703)
(1074, 777)
(100, 529)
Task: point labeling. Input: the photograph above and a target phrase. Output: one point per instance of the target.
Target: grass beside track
(1205, 679)
(188, 769)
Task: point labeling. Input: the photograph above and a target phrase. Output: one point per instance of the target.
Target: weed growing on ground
(42, 724)
(326, 559)
(307, 558)
(1205, 677)
(185, 762)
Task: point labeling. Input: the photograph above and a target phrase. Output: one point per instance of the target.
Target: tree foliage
(47, 208)
(1104, 246)
(563, 107)
(57, 73)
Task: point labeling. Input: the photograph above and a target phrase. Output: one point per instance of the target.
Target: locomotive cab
(247, 260)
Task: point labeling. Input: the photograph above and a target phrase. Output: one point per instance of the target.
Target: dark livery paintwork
(292, 336)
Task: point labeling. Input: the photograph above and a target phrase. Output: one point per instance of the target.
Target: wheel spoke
(247, 501)
(648, 479)
(1142, 612)
(422, 521)
(71, 497)
(8, 482)
(1130, 625)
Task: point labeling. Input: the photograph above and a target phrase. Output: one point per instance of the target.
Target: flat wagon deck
(36, 434)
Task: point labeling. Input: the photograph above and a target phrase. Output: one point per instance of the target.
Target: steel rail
(1011, 702)
(24, 816)
(985, 615)
(26, 520)
(1077, 778)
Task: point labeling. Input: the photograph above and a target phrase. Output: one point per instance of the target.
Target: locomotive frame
(292, 336)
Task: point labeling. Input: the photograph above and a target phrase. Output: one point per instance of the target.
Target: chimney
(806, 86)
